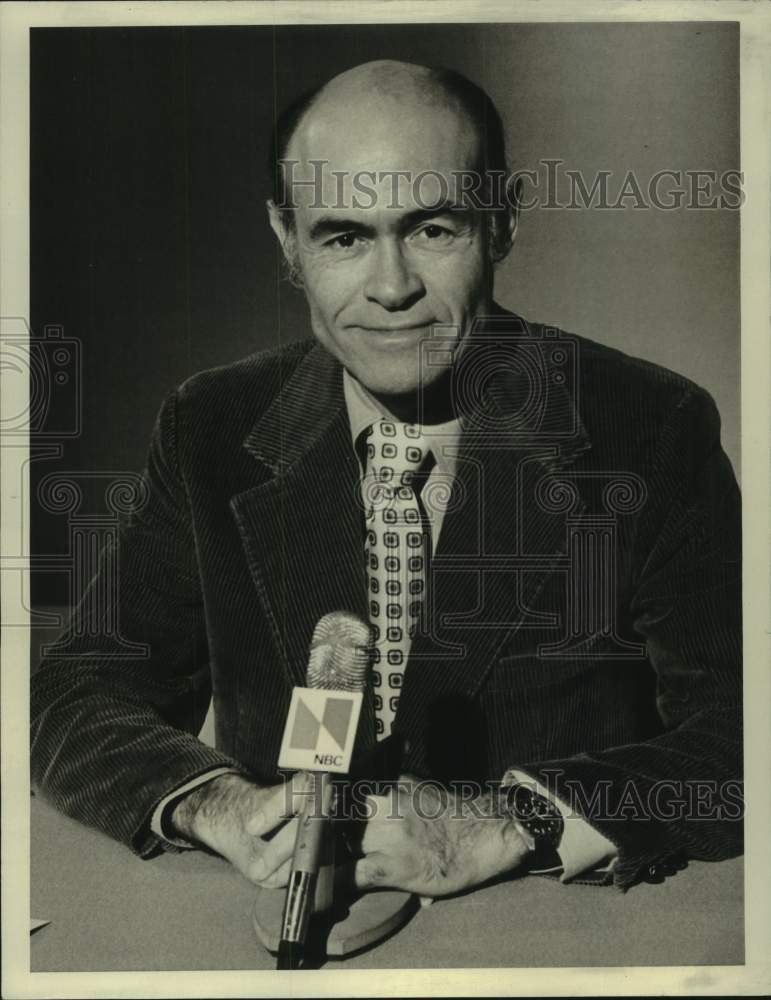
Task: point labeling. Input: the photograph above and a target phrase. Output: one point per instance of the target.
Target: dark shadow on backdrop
(148, 180)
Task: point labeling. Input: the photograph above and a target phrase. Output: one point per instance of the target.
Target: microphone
(338, 661)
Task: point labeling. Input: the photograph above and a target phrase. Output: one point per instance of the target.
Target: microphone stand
(311, 882)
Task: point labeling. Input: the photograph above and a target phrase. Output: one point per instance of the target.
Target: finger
(374, 871)
(275, 854)
(279, 878)
(350, 879)
(281, 802)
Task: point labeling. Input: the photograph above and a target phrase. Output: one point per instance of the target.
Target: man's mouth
(405, 330)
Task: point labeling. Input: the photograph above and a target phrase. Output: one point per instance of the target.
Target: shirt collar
(364, 410)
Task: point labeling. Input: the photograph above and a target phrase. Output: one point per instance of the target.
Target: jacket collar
(299, 416)
(516, 380)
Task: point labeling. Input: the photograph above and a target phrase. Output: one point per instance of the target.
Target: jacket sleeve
(678, 794)
(113, 717)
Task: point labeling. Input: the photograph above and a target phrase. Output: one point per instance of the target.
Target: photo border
(754, 977)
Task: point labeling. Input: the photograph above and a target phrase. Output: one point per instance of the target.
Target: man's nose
(392, 282)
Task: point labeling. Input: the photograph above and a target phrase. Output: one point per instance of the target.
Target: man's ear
(279, 223)
(504, 222)
(514, 199)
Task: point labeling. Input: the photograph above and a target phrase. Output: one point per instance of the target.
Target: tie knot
(395, 451)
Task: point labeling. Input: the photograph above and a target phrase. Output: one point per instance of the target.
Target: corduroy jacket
(585, 608)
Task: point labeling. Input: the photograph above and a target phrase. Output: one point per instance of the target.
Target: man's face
(378, 275)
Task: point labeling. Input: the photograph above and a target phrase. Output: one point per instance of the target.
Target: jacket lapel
(302, 528)
(499, 543)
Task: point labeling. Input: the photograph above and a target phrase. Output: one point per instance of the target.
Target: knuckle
(302, 781)
(268, 864)
(255, 872)
(375, 872)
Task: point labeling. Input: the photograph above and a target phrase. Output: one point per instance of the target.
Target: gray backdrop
(148, 181)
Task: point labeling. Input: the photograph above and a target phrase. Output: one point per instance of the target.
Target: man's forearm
(199, 813)
(160, 822)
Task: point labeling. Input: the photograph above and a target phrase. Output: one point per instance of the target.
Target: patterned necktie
(397, 546)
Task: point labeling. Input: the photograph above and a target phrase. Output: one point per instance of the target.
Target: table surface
(111, 911)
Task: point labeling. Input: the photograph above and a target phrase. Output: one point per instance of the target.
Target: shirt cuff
(582, 846)
(159, 823)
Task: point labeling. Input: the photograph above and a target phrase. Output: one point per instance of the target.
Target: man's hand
(233, 817)
(433, 843)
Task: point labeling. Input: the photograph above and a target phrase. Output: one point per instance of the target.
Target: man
(561, 614)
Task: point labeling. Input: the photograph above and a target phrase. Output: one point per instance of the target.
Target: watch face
(540, 817)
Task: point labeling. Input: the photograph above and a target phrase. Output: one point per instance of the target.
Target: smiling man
(380, 276)
(552, 578)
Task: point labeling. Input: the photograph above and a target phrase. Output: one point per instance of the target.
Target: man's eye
(344, 241)
(434, 232)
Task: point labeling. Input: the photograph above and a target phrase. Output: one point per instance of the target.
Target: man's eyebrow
(331, 225)
(419, 215)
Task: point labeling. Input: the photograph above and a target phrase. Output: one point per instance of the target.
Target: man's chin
(406, 397)
(387, 388)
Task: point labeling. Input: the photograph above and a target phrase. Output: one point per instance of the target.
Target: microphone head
(340, 653)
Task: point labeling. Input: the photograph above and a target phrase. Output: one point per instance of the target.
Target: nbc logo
(320, 730)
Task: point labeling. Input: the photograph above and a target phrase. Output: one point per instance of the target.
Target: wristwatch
(540, 822)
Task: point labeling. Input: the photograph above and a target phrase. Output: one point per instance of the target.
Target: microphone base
(367, 919)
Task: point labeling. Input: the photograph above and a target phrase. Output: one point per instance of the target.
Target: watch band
(541, 821)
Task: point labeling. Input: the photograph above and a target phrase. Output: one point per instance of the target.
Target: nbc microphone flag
(320, 730)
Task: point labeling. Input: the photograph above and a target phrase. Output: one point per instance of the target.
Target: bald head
(378, 97)
(387, 97)
(378, 116)
(387, 78)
